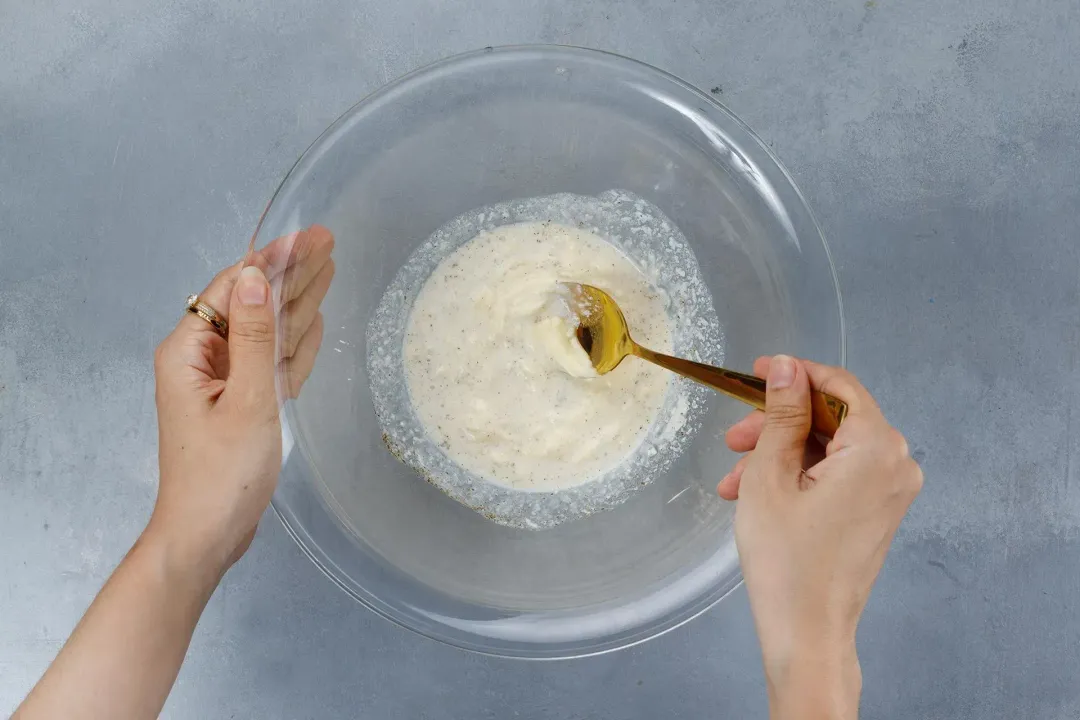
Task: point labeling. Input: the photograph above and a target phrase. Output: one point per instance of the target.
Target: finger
(301, 312)
(218, 295)
(298, 367)
(853, 431)
(743, 435)
(787, 416)
(839, 464)
(251, 344)
(761, 366)
(728, 488)
(868, 428)
(299, 257)
(194, 342)
(743, 438)
(840, 383)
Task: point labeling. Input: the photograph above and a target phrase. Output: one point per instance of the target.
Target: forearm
(815, 683)
(124, 655)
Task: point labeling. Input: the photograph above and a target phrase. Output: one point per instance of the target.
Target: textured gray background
(936, 142)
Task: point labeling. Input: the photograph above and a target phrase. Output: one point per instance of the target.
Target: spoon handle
(827, 411)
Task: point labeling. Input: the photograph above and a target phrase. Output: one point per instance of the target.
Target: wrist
(814, 680)
(184, 564)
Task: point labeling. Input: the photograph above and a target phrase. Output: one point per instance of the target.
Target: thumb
(251, 341)
(787, 415)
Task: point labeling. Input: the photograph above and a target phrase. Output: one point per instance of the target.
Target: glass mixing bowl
(493, 126)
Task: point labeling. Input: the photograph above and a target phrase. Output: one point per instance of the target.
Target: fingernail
(781, 372)
(252, 288)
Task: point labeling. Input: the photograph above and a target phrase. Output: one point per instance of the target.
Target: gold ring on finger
(209, 314)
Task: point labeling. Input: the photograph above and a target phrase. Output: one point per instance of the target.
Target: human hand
(813, 526)
(218, 429)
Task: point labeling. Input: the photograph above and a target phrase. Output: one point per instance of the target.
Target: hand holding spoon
(603, 335)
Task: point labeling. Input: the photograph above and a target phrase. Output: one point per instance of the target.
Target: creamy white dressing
(496, 376)
(630, 226)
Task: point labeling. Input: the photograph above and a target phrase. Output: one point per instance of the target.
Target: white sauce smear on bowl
(495, 372)
(463, 324)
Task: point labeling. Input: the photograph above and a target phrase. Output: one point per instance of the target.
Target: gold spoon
(603, 335)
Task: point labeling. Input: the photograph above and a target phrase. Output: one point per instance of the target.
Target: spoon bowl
(603, 334)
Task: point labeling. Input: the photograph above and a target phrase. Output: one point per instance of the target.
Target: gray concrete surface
(936, 141)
